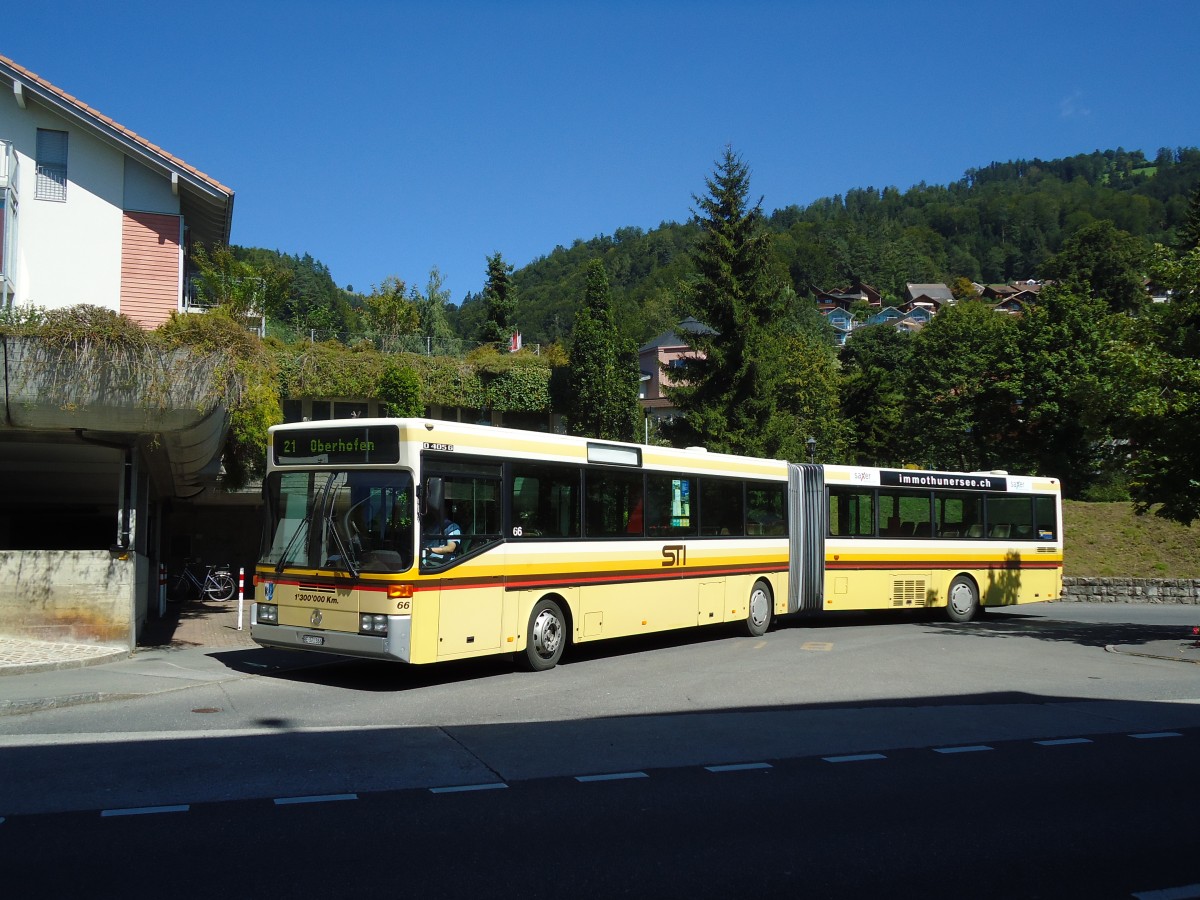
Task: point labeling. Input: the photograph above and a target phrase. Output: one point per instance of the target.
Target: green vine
(82, 354)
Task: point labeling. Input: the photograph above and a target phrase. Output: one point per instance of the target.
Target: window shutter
(51, 165)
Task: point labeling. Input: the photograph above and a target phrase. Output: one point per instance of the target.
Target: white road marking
(738, 767)
(1187, 892)
(1149, 736)
(857, 757)
(616, 776)
(145, 810)
(316, 798)
(464, 788)
(974, 748)
(1062, 742)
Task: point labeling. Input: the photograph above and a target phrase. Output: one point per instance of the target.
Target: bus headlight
(372, 624)
(268, 614)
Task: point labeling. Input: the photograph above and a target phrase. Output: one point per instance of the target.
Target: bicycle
(217, 583)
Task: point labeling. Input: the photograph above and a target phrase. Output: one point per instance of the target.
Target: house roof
(207, 204)
(999, 290)
(938, 292)
(672, 338)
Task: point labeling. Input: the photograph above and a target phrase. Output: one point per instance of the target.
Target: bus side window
(613, 500)
(721, 507)
(669, 506)
(766, 508)
(545, 501)
(851, 513)
(1045, 518)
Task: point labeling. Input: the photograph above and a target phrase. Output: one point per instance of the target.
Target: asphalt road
(687, 764)
(1096, 818)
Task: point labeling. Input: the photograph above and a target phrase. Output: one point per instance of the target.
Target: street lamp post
(811, 443)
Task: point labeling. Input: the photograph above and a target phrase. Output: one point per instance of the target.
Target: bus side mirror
(433, 499)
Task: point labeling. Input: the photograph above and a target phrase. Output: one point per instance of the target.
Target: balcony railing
(195, 301)
(10, 172)
(9, 166)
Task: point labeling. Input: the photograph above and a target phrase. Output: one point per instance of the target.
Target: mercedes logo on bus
(316, 617)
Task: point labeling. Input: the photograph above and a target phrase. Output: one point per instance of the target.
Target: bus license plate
(312, 639)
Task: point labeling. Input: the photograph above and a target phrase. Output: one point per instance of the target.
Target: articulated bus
(419, 541)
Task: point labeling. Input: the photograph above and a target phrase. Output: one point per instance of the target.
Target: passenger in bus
(442, 540)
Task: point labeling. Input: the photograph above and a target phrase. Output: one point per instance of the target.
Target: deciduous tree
(960, 391)
(432, 307)
(1159, 367)
(240, 287)
(390, 314)
(1111, 262)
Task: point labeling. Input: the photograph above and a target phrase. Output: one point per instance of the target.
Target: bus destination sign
(361, 445)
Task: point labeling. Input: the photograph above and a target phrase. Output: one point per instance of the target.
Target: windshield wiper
(343, 553)
(305, 523)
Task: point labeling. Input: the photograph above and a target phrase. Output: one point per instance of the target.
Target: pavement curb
(56, 665)
(20, 707)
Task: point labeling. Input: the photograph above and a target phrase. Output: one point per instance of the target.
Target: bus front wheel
(962, 600)
(547, 636)
(758, 619)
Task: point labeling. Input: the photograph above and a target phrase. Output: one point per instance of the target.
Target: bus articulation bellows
(419, 540)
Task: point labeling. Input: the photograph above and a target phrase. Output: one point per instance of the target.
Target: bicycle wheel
(220, 586)
(181, 590)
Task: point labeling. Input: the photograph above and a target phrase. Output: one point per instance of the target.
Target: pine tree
(1189, 231)
(603, 374)
(500, 302)
(730, 389)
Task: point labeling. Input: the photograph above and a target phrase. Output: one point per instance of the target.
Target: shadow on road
(1085, 634)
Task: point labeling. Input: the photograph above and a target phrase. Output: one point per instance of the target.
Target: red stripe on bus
(943, 564)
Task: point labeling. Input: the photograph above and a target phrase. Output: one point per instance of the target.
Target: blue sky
(387, 138)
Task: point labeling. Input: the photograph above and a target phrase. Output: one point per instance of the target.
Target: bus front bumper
(395, 645)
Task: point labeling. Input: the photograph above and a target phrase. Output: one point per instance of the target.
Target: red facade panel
(150, 267)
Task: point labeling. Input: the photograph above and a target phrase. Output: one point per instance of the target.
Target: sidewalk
(198, 642)
(175, 652)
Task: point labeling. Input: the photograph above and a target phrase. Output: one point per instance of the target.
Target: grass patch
(1108, 540)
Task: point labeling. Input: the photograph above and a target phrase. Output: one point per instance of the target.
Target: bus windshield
(343, 521)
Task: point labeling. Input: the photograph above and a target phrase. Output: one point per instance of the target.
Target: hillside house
(657, 359)
(932, 297)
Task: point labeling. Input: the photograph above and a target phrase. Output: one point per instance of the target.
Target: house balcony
(9, 165)
(9, 179)
(195, 301)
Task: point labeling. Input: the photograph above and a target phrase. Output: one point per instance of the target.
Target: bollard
(241, 595)
(162, 589)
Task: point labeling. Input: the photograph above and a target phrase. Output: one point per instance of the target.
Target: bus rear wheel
(547, 636)
(758, 619)
(962, 600)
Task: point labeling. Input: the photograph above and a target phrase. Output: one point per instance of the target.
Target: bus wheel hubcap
(759, 607)
(960, 598)
(547, 632)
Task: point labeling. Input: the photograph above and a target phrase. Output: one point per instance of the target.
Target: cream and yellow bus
(419, 541)
(907, 539)
(422, 541)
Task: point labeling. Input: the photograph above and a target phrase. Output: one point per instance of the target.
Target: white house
(93, 213)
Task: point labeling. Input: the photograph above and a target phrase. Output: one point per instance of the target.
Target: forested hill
(997, 223)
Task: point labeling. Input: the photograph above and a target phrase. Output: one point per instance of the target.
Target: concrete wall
(72, 596)
(1131, 590)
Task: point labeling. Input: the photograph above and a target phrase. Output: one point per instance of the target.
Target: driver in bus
(443, 541)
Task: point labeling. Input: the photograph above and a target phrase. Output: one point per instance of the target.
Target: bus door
(462, 557)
